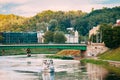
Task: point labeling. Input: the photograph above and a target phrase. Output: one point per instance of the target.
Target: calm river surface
(29, 68)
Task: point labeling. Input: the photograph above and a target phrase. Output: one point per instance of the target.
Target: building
(94, 31)
(33, 37)
(72, 38)
(40, 37)
(19, 37)
(117, 23)
(94, 35)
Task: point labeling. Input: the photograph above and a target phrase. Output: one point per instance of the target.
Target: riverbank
(113, 54)
(108, 60)
(105, 64)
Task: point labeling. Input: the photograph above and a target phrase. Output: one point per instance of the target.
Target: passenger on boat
(48, 66)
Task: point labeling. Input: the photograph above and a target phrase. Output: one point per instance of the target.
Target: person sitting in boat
(48, 65)
(45, 65)
(51, 65)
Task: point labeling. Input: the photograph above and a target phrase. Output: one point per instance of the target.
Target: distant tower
(76, 37)
(47, 28)
(92, 9)
(40, 37)
(76, 33)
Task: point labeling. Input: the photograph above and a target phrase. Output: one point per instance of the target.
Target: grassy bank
(98, 62)
(105, 64)
(33, 51)
(113, 54)
(60, 57)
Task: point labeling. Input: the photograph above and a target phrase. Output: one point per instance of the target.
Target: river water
(21, 67)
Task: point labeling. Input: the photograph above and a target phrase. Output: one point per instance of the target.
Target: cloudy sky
(31, 7)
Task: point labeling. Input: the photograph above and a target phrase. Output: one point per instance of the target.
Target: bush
(60, 57)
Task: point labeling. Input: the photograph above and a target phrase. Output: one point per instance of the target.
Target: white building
(40, 37)
(117, 23)
(72, 38)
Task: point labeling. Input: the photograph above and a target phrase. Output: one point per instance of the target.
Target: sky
(30, 8)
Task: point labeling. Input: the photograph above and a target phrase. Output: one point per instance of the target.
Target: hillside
(11, 22)
(113, 54)
(81, 21)
(96, 17)
(60, 20)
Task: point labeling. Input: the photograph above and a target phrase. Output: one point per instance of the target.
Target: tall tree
(59, 37)
(110, 35)
(48, 37)
(53, 25)
(42, 26)
(1, 38)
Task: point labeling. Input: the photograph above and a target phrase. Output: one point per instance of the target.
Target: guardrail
(59, 46)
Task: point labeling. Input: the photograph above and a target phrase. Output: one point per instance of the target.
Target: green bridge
(82, 47)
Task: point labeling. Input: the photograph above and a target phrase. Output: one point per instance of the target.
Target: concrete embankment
(95, 49)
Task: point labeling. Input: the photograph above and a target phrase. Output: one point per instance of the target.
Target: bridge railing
(59, 46)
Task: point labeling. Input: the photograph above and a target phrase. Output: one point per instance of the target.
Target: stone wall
(95, 49)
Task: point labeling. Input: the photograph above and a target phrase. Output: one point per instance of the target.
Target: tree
(116, 37)
(106, 34)
(42, 26)
(59, 37)
(53, 24)
(93, 38)
(1, 38)
(48, 37)
(110, 35)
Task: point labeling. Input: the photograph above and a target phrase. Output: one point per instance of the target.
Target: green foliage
(53, 25)
(59, 37)
(53, 56)
(56, 20)
(54, 37)
(96, 17)
(11, 23)
(110, 35)
(67, 58)
(93, 38)
(48, 37)
(112, 54)
(1, 38)
(98, 62)
(60, 57)
(116, 37)
(42, 26)
(60, 20)
(105, 64)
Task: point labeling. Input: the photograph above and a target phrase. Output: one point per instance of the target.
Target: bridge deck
(59, 46)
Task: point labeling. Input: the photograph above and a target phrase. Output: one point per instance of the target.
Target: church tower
(76, 33)
(76, 37)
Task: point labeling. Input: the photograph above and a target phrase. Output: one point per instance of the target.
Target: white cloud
(13, 1)
(0, 6)
(3, 11)
(25, 10)
(31, 7)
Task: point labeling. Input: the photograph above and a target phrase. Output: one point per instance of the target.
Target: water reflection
(112, 76)
(22, 68)
(48, 76)
(96, 72)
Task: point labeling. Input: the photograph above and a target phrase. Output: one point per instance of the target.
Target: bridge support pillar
(83, 53)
